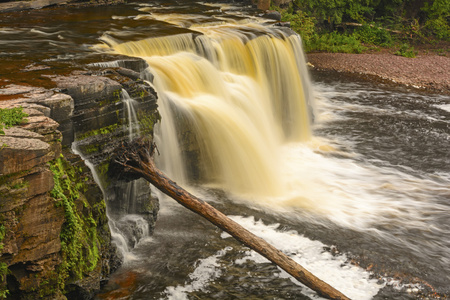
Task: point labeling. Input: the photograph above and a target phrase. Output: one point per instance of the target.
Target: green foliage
(335, 42)
(10, 117)
(406, 51)
(3, 273)
(3, 267)
(438, 27)
(372, 35)
(79, 242)
(332, 12)
(437, 21)
(115, 99)
(300, 23)
(418, 21)
(2, 235)
(3, 292)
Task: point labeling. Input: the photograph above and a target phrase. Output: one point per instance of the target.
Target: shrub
(406, 51)
(372, 35)
(300, 23)
(336, 42)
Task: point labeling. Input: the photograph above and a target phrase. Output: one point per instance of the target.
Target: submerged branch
(134, 160)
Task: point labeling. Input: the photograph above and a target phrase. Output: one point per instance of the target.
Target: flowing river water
(349, 178)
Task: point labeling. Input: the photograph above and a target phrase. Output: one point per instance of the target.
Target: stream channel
(352, 181)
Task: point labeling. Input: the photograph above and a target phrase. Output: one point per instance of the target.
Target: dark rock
(284, 24)
(273, 15)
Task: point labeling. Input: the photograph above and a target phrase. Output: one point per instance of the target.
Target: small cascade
(129, 227)
(124, 200)
(133, 122)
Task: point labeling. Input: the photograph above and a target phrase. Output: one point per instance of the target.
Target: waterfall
(230, 97)
(129, 228)
(133, 122)
(126, 225)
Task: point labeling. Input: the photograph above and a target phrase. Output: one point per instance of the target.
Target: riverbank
(12, 6)
(425, 71)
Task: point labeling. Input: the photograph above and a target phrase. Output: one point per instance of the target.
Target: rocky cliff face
(55, 241)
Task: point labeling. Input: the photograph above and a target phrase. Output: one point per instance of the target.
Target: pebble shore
(429, 71)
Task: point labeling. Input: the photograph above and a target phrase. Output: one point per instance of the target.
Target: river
(351, 179)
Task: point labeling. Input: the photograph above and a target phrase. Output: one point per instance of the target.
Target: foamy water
(351, 280)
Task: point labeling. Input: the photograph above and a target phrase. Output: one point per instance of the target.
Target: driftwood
(370, 25)
(134, 160)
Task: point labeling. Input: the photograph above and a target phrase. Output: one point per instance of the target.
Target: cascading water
(133, 122)
(236, 107)
(127, 228)
(130, 228)
(229, 99)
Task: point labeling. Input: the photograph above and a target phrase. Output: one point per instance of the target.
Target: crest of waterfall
(229, 97)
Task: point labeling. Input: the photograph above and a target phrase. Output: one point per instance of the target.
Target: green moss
(11, 182)
(19, 184)
(79, 242)
(102, 170)
(147, 121)
(102, 131)
(89, 149)
(5, 179)
(3, 267)
(2, 235)
(3, 273)
(117, 97)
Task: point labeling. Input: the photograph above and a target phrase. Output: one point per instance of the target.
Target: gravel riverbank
(427, 71)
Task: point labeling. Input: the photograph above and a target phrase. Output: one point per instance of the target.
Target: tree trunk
(135, 160)
(263, 4)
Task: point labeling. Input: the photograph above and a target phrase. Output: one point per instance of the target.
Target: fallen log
(370, 25)
(134, 160)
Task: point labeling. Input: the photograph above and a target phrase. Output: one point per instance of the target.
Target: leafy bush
(331, 12)
(300, 22)
(317, 20)
(427, 18)
(438, 27)
(10, 117)
(372, 35)
(438, 14)
(406, 51)
(336, 42)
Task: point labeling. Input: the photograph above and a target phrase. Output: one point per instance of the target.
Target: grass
(10, 117)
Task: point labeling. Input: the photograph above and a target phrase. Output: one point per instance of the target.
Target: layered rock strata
(54, 233)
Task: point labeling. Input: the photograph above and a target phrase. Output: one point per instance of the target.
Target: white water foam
(445, 107)
(351, 280)
(206, 271)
